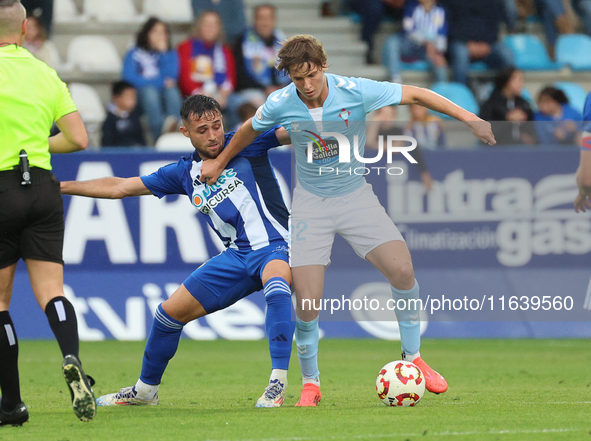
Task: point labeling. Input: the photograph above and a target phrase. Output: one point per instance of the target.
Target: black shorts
(31, 217)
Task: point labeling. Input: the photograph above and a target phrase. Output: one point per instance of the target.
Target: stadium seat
(575, 93)
(530, 53)
(174, 142)
(459, 94)
(574, 50)
(111, 10)
(88, 103)
(169, 10)
(416, 65)
(93, 53)
(65, 11)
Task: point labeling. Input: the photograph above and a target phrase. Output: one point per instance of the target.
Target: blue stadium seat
(574, 50)
(459, 94)
(530, 53)
(575, 93)
(416, 65)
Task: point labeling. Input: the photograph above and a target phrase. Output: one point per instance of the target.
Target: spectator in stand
(424, 37)
(372, 13)
(556, 120)
(37, 43)
(555, 20)
(426, 128)
(206, 64)
(256, 54)
(231, 13)
(583, 9)
(508, 111)
(42, 10)
(474, 36)
(383, 123)
(245, 111)
(122, 127)
(152, 67)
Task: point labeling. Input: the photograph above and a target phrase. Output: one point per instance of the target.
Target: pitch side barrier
(497, 228)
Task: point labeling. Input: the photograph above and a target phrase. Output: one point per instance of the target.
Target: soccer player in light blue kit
(322, 202)
(583, 200)
(246, 210)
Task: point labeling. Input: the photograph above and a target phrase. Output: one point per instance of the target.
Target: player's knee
(404, 276)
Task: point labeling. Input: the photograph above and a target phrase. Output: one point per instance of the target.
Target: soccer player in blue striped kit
(245, 208)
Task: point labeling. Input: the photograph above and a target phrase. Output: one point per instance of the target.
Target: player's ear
(184, 131)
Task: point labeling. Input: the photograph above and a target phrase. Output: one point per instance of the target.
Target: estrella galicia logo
(205, 198)
(321, 149)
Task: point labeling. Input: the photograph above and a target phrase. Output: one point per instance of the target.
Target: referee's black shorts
(31, 217)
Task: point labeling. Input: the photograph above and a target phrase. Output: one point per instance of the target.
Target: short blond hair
(300, 50)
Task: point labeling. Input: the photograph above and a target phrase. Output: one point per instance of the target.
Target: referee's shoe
(17, 417)
(80, 388)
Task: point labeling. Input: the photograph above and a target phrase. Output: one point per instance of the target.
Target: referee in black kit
(32, 98)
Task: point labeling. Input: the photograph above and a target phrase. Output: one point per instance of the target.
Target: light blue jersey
(349, 101)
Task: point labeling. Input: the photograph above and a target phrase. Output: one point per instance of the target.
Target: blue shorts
(232, 275)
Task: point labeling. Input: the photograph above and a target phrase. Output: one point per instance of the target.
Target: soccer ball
(400, 383)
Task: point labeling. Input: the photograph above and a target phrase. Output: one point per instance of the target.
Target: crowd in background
(232, 61)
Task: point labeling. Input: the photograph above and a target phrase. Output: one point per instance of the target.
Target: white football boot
(125, 397)
(273, 396)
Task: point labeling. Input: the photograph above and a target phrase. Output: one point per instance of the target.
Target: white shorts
(358, 217)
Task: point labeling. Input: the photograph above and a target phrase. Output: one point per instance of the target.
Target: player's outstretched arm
(427, 98)
(73, 136)
(583, 200)
(106, 188)
(213, 168)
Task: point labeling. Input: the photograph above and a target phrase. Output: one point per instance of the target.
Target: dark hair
(504, 76)
(120, 86)
(142, 36)
(300, 50)
(246, 111)
(257, 8)
(199, 105)
(554, 93)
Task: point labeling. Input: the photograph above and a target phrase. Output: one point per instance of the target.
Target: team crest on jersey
(205, 198)
(344, 115)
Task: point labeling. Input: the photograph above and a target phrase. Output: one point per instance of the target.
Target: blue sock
(408, 319)
(278, 321)
(307, 343)
(161, 346)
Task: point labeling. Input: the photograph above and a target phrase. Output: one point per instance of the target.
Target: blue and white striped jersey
(344, 111)
(244, 207)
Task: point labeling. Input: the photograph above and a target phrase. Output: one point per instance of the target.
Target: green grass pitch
(499, 390)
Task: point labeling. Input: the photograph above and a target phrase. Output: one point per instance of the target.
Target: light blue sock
(278, 322)
(408, 319)
(161, 346)
(307, 343)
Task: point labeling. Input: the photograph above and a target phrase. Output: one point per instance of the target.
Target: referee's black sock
(9, 383)
(62, 319)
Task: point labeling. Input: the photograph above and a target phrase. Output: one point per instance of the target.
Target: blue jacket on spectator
(421, 27)
(150, 68)
(546, 125)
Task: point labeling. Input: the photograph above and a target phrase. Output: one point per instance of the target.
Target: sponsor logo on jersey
(259, 113)
(209, 197)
